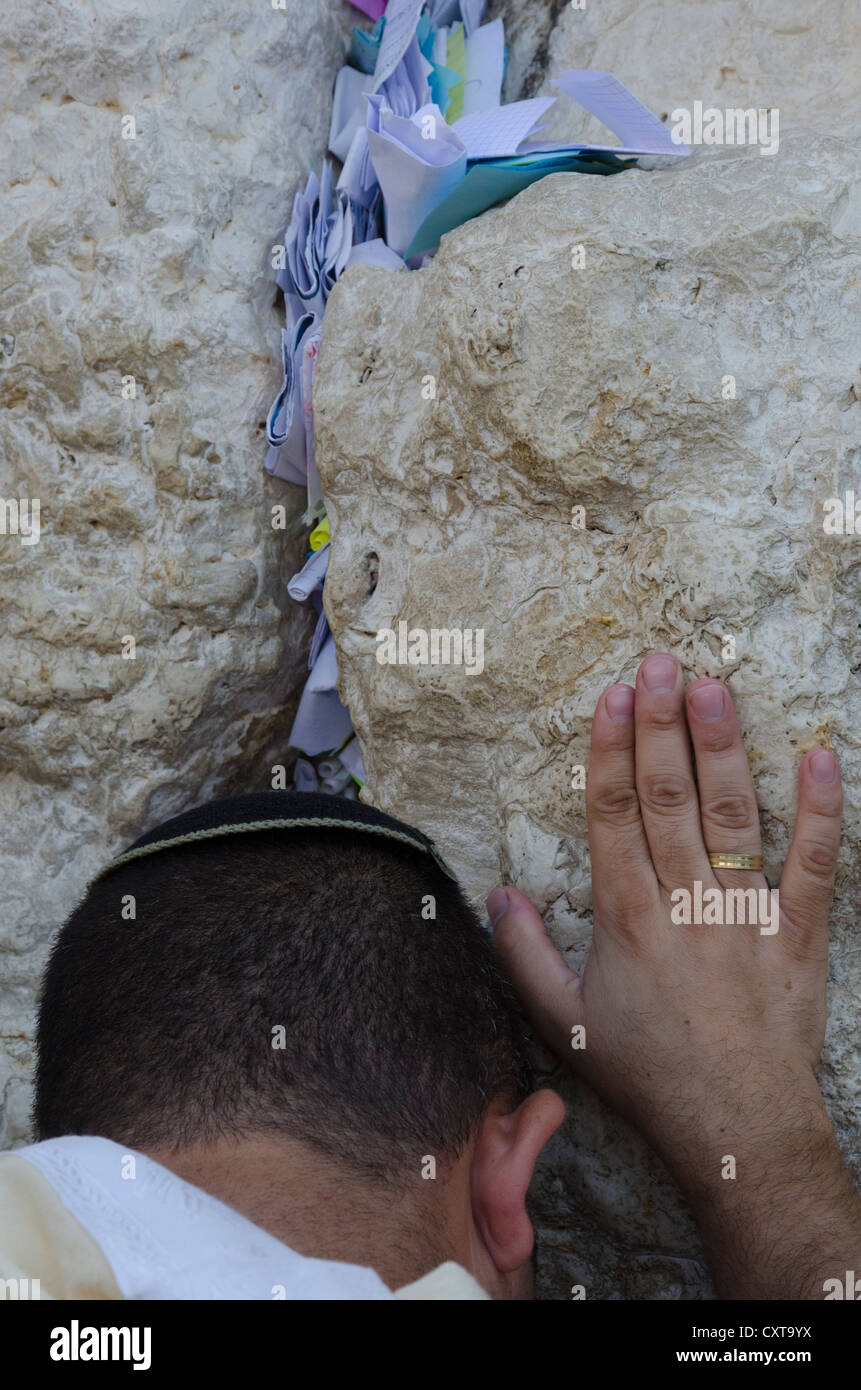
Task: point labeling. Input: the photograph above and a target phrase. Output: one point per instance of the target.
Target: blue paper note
(365, 47)
(493, 181)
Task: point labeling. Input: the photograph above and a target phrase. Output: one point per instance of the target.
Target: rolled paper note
(336, 783)
(304, 776)
(320, 535)
(310, 576)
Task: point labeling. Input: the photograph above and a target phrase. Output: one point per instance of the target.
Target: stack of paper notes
(425, 143)
(427, 128)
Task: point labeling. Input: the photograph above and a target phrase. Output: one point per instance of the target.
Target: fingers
(665, 781)
(808, 874)
(548, 991)
(622, 873)
(728, 809)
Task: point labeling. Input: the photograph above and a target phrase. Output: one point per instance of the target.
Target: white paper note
(415, 173)
(499, 132)
(348, 109)
(375, 252)
(402, 16)
(620, 111)
(472, 10)
(485, 60)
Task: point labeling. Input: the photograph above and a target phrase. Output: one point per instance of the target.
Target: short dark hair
(399, 1029)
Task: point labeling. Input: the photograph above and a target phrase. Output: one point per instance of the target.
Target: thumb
(548, 991)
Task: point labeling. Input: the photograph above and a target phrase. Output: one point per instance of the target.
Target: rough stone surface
(603, 387)
(145, 257)
(556, 387)
(748, 53)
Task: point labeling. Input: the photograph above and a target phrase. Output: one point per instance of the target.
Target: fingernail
(620, 703)
(497, 905)
(823, 765)
(659, 674)
(707, 701)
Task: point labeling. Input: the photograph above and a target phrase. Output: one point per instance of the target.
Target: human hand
(703, 1036)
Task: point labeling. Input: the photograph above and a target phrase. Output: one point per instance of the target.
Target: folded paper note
(285, 424)
(619, 110)
(500, 131)
(408, 88)
(504, 158)
(351, 757)
(405, 91)
(455, 58)
(443, 12)
(365, 47)
(418, 161)
(492, 181)
(472, 11)
(376, 252)
(308, 359)
(485, 65)
(358, 179)
(321, 635)
(372, 8)
(399, 30)
(316, 245)
(348, 109)
(322, 722)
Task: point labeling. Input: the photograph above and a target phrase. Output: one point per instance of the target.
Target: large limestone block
(802, 60)
(606, 387)
(148, 258)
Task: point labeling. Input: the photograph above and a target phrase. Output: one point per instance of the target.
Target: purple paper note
(372, 8)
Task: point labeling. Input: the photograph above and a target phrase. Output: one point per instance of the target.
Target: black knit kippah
(235, 815)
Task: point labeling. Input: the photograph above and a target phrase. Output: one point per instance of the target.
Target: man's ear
(503, 1162)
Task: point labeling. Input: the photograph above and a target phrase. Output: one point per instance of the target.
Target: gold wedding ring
(735, 861)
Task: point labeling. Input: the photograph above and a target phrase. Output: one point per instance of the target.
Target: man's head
(314, 1003)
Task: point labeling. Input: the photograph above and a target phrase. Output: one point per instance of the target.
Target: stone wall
(607, 387)
(556, 387)
(144, 257)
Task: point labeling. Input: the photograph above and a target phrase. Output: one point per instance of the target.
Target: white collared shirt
(90, 1219)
